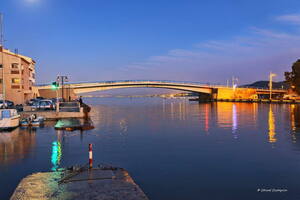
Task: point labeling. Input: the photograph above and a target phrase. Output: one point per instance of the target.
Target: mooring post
(90, 156)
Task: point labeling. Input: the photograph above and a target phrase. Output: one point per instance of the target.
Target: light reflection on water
(15, 145)
(174, 149)
(56, 155)
(272, 134)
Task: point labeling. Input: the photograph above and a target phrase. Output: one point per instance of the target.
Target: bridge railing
(184, 83)
(142, 81)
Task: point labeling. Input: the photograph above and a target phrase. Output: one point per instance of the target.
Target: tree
(293, 77)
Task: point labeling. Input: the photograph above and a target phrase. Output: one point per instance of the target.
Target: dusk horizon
(149, 100)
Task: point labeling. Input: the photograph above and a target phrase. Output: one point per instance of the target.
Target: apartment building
(18, 74)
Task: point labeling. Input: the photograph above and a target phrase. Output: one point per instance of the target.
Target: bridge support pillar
(204, 97)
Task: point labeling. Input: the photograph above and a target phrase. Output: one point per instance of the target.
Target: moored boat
(24, 122)
(39, 121)
(33, 120)
(9, 119)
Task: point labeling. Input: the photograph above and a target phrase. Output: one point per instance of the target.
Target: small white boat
(9, 119)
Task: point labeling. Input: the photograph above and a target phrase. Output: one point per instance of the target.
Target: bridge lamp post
(234, 82)
(271, 83)
(62, 79)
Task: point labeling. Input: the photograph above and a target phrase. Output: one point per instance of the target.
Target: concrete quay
(64, 110)
(53, 115)
(106, 183)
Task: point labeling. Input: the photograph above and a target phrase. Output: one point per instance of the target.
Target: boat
(25, 122)
(73, 124)
(39, 121)
(33, 120)
(9, 119)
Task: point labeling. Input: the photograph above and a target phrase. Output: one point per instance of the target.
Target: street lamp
(62, 80)
(271, 82)
(234, 82)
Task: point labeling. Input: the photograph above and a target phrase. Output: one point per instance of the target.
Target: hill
(265, 84)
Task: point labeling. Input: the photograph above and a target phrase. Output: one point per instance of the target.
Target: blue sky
(205, 41)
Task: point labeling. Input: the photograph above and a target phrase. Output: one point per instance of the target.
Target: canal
(173, 148)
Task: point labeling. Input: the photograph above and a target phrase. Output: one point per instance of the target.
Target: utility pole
(271, 83)
(2, 57)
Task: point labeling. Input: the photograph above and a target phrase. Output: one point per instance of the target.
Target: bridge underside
(76, 91)
(103, 88)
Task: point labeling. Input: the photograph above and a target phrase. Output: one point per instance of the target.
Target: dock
(64, 110)
(53, 115)
(103, 183)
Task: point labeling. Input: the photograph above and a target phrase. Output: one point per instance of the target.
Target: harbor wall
(237, 93)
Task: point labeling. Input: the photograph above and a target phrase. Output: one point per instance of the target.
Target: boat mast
(2, 59)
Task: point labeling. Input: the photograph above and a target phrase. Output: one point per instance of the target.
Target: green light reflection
(56, 155)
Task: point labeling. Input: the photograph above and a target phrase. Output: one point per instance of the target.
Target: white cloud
(249, 57)
(31, 1)
(291, 18)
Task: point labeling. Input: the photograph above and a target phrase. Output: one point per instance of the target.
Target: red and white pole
(90, 156)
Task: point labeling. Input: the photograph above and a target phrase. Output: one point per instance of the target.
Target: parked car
(55, 100)
(32, 101)
(8, 104)
(45, 104)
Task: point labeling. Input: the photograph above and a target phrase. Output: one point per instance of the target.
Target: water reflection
(16, 144)
(123, 126)
(163, 133)
(207, 117)
(272, 133)
(295, 122)
(56, 155)
(224, 114)
(234, 121)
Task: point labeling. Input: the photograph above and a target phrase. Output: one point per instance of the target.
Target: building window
(15, 87)
(1, 66)
(16, 80)
(15, 66)
(0, 81)
(15, 72)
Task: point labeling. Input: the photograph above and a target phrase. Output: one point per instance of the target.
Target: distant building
(19, 76)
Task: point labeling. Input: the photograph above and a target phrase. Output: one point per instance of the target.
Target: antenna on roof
(1, 27)
(16, 51)
(2, 56)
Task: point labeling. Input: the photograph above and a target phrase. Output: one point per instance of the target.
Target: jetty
(82, 183)
(64, 110)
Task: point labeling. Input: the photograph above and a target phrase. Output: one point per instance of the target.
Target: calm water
(173, 148)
